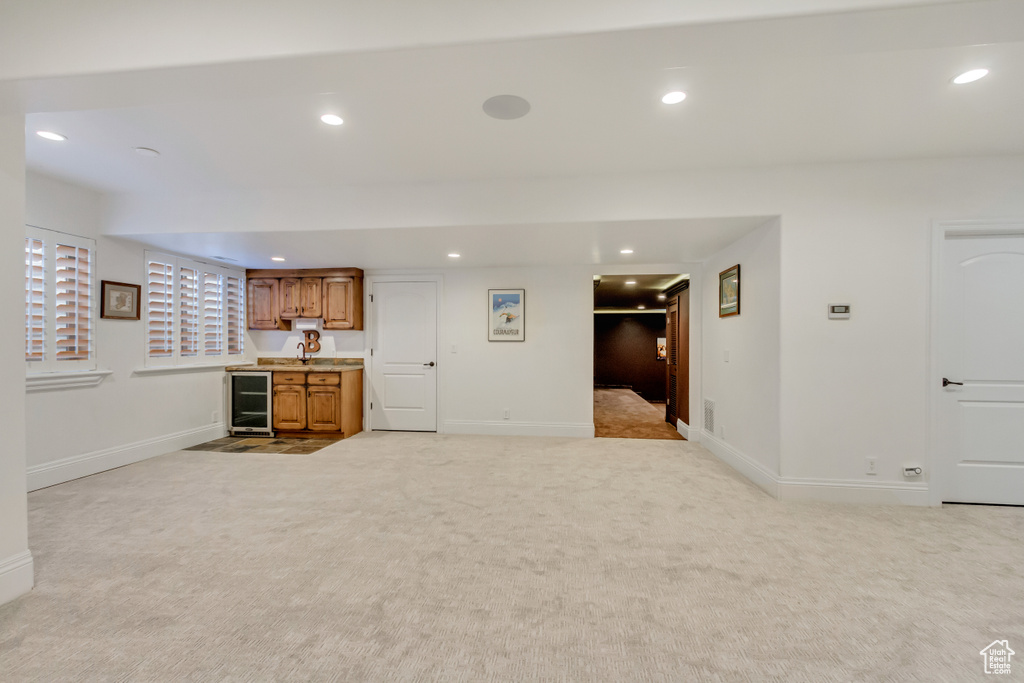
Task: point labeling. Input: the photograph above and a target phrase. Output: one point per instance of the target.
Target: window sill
(53, 381)
(172, 369)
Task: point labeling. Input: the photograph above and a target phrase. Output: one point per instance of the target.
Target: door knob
(946, 382)
(429, 365)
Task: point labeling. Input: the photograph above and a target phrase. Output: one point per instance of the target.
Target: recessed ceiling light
(506, 107)
(56, 137)
(641, 307)
(332, 119)
(147, 151)
(454, 255)
(674, 97)
(630, 282)
(970, 76)
(625, 251)
(661, 297)
(277, 258)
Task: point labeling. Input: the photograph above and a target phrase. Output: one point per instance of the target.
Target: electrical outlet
(871, 465)
(508, 414)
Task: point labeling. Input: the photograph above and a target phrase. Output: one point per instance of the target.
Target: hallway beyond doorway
(621, 413)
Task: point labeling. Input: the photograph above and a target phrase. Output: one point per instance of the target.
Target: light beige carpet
(623, 414)
(405, 557)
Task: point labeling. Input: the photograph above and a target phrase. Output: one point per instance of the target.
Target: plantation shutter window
(35, 311)
(188, 311)
(213, 314)
(234, 297)
(59, 311)
(160, 317)
(73, 290)
(194, 311)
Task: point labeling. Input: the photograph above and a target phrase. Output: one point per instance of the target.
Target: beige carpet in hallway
(422, 557)
(623, 414)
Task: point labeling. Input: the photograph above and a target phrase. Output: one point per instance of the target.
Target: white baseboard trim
(687, 433)
(17, 576)
(742, 463)
(822, 490)
(852, 491)
(505, 428)
(66, 469)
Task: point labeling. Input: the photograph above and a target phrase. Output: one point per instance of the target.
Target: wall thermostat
(839, 311)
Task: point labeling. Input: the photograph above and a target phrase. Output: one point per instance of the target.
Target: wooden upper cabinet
(291, 292)
(276, 297)
(310, 297)
(262, 300)
(343, 303)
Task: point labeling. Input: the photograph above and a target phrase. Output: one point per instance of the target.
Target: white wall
(546, 382)
(333, 343)
(746, 386)
(128, 416)
(16, 575)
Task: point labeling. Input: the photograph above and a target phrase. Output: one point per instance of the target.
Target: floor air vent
(709, 415)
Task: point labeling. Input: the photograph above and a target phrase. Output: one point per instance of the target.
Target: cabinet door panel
(289, 407)
(290, 297)
(338, 306)
(310, 297)
(324, 408)
(262, 313)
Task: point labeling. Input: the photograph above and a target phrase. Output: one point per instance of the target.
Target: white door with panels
(980, 354)
(403, 394)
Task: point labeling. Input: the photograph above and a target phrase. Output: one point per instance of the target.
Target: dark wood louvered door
(672, 361)
(677, 342)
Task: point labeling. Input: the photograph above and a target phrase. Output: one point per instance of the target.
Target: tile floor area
(254, 444)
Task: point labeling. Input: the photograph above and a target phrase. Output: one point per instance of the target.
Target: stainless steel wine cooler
(250, 404)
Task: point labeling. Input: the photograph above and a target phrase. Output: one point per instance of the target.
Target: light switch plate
(839, 311)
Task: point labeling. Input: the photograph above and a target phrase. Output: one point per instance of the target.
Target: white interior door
(980, 426)
(404, 377)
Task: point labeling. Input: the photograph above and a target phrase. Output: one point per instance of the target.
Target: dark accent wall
(626, 350)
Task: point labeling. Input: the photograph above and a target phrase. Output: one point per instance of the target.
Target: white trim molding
(686, 432)
(823, 490)
(172, 369)
(77, 466)
(17, 576)
(742, 463)
(853, 491)
(52, 381)
(506, 428)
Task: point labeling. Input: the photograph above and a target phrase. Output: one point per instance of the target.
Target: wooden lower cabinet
(324, 403)
(323, 408)
(289, 407)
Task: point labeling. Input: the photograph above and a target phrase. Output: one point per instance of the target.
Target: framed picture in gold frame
(729, 292)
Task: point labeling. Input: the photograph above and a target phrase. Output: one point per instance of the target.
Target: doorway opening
(641, 355)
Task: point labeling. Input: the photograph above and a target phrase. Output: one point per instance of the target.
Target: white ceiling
(792, 90)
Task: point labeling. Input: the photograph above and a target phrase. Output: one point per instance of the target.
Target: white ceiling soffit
(688, 240)
(47, 38)
(861, 86)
